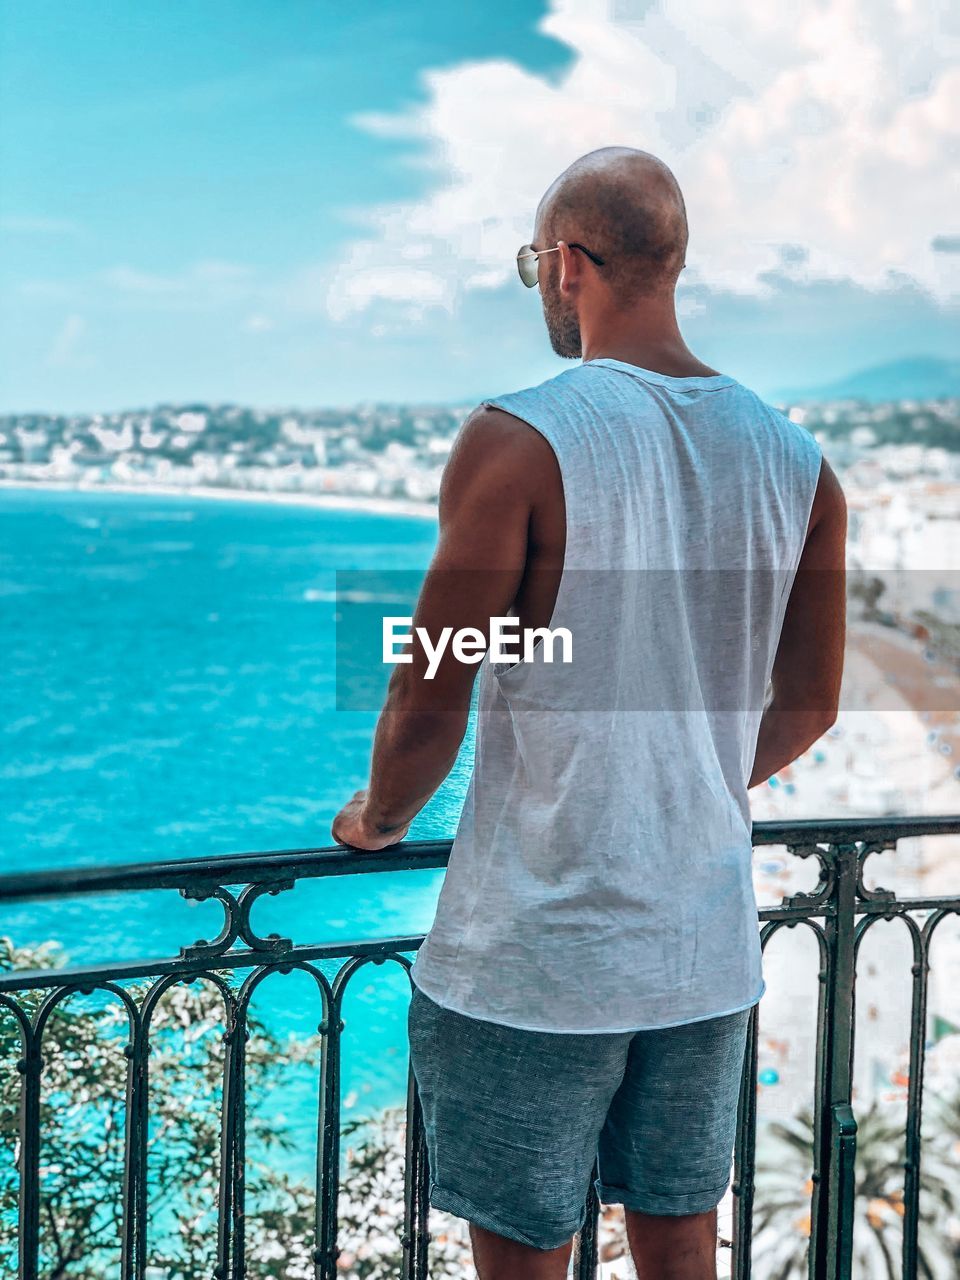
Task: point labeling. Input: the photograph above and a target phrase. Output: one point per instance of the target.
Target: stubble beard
(563, 327)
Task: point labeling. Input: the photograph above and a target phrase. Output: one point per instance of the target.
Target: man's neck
(649, 338)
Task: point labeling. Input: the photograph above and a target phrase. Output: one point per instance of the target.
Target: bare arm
(808, 667)
(489, 490)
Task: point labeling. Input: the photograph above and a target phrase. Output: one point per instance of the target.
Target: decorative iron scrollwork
(863, 853)
(820, 894)
(236, 920)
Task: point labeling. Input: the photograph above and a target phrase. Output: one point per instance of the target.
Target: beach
(369, 505)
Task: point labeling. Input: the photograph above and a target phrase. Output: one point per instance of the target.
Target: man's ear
(569, 267)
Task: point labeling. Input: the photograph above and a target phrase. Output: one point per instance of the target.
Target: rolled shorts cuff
(461, 1207)
(662, 1205)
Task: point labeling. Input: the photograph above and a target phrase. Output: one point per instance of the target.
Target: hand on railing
(353, 827)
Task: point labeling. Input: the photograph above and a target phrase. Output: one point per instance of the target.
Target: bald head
(626, 206)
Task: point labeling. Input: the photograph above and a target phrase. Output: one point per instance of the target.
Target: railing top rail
(411, 855)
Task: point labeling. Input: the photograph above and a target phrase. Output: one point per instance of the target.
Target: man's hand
(352, 826)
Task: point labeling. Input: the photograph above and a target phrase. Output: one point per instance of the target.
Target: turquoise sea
(169, 691)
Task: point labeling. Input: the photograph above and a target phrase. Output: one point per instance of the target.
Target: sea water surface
(169, 691)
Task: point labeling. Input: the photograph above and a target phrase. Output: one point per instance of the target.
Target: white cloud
(197, 286)
(210, 278)
(131, 280)
(256, 323)
(830, 128)
(412, 288)
(45, 290)
(65, 350)
(38, 225)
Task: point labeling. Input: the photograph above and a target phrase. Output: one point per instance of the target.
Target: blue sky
(286, 203)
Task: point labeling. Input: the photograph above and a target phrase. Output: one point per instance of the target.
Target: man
(586, 986)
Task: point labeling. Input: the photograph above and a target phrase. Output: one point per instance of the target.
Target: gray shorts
(514, 1119)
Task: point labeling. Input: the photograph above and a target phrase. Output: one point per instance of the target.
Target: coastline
(320, 501)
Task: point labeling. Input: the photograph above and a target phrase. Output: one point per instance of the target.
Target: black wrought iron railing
(839, 911)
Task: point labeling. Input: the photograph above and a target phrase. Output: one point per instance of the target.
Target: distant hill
(916, 377)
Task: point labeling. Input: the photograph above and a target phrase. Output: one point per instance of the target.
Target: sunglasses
(528, 261)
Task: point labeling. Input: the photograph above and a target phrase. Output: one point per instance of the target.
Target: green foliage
(896, 426)
(371, 1207)
(83, 1134)
(782, 1214)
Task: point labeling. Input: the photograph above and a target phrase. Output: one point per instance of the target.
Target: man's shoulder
(511, 432)
(501, 427)
(558, 384)
(496, 450)
(539, 406)
(780, 422)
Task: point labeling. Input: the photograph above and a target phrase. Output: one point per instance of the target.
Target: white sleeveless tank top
(600, 879)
